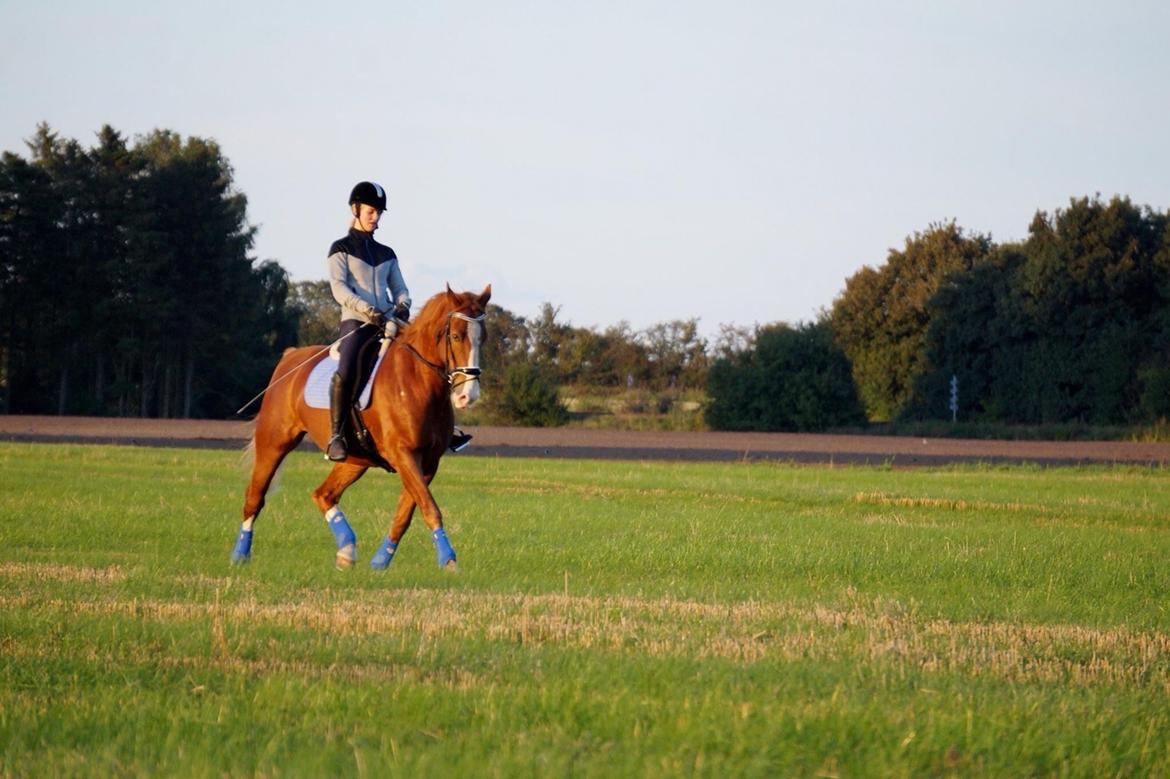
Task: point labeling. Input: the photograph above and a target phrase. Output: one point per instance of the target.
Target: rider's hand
(402, 312)
(375, 316)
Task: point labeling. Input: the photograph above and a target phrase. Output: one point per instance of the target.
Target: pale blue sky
(735, 161)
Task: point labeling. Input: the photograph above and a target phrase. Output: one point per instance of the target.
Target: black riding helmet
(370, 194)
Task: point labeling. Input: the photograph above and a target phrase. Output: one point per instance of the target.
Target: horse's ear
(485, 296)
(452, 298)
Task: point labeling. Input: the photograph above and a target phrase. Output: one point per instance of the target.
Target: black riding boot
(459, 441)
(338, 401)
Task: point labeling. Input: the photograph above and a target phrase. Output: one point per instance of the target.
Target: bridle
(445, 371)
(471, 372)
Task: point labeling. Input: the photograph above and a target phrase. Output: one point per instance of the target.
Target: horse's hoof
(241, 559)
(451, 567)
(346, 557)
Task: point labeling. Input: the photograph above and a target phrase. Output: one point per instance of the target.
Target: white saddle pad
(317, 387)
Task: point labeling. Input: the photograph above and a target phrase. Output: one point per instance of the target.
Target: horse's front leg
(327, 497)
(418, 485)
(403, 514)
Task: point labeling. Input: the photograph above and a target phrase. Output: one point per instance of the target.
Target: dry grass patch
(878, 632)
(203, 581)
(61, 573)
(886, 499)
(547, 487)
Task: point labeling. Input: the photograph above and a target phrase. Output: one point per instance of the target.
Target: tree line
(1071, 324)
(127, 287)
(126, 284)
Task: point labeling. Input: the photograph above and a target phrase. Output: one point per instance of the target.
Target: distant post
(954, 397)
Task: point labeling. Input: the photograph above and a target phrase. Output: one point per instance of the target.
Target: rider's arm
(398, 291)
(344, 294)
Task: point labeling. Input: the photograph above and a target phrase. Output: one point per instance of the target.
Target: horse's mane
(433, 316)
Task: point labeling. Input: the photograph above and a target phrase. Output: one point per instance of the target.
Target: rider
(366, 281)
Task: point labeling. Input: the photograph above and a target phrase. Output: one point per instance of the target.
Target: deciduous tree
(882, 316)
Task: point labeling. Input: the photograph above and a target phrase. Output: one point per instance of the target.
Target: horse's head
(466, 332)
(456, 327)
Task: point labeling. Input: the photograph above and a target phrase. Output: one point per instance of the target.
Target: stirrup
(459, 441)
(335, 449)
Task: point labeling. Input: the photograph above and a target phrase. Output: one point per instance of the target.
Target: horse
(429, 369)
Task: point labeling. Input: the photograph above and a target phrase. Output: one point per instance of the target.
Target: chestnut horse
(431, 366)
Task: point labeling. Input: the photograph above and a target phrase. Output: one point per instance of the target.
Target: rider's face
(367, 217)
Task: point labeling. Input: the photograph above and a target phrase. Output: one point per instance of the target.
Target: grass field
(610, 619)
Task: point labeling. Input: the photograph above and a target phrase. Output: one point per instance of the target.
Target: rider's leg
(341, 387)
(338, 394)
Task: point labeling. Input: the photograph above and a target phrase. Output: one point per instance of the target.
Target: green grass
(610, 619)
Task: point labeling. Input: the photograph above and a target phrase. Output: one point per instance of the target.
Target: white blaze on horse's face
(465, 391)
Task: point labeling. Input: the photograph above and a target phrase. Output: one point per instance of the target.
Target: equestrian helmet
(370, 194)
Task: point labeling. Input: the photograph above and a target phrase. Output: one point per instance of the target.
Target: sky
(634, 161)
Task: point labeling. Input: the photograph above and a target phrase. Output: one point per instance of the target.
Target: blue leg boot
(243, 551)
(444, 554)
(384, 556)
(345, 537)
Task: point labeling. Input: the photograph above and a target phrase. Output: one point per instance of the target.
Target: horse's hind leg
(267, 454)
(326, 497)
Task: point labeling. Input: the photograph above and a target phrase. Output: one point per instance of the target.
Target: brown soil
(608, 444)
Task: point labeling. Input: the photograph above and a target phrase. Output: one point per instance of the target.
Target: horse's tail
(248, 453)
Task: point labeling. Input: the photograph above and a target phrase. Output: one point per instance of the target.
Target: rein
(290, 372)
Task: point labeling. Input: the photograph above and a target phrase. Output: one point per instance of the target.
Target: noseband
(460, 370)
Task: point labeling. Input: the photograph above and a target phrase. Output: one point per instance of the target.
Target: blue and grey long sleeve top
(365, 273)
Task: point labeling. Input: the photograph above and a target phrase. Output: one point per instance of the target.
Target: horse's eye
(455, 336)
